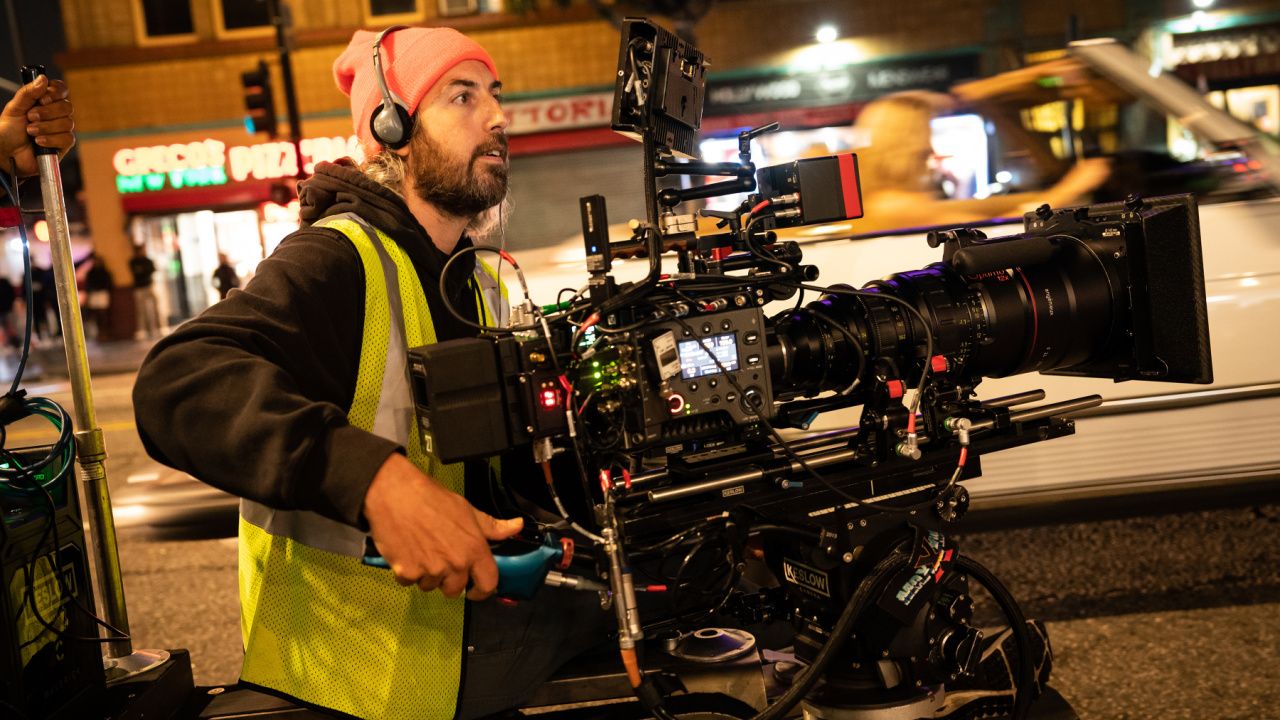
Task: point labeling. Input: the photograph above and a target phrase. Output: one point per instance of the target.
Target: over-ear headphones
(391, 124)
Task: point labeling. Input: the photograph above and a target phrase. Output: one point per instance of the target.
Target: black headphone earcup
(391, 129)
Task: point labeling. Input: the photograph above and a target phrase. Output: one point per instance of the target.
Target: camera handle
(520, 576)
(971, 252)
(744, 172)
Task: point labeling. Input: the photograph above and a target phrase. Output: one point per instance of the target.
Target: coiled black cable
(1017, 623)
(861, 599)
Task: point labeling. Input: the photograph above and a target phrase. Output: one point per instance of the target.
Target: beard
(463, 189)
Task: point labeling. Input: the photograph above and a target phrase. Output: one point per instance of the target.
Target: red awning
(791, 119)
(250, 192)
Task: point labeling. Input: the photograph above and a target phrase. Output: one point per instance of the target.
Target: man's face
(458, 155)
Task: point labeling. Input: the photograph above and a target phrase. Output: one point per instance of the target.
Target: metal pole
(282, 18)
(90, 447)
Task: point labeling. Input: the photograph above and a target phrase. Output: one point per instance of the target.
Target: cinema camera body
(670, 396)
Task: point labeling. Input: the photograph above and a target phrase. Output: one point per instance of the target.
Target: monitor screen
(696, 362)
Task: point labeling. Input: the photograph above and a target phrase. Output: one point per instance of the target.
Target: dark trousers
(513, 649)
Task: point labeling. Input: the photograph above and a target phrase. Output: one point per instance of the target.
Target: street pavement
(1172, 617)
(1168, 616)
(48, 360)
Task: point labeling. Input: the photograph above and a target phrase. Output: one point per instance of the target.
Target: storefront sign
(863, 81)
(1224, 45)
(559, 113)
(210, 162)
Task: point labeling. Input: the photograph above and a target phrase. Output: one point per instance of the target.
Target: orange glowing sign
(211, 162)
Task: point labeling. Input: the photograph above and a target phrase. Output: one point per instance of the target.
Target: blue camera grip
(519, 576)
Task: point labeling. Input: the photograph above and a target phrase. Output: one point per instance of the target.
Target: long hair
(897, 128)
(389, 170)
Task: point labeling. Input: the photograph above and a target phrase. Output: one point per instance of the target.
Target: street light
(827, 34)
(1202, 4)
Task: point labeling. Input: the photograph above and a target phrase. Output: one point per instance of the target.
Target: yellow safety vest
(316, 623)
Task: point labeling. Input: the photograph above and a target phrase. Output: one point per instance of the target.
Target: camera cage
(669, 394)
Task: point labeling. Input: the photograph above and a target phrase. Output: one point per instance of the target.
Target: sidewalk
(49, 360)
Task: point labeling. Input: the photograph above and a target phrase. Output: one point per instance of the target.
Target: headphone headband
(391, 124)
(387, 94)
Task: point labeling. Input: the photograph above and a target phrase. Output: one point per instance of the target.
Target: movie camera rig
(665, 400)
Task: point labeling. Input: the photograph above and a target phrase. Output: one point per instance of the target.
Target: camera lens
(1056, 314)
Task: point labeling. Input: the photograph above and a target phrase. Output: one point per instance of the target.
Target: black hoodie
(252, 395)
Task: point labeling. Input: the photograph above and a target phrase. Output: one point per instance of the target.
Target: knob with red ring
(675, 403)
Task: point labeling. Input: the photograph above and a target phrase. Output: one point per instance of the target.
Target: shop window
(381, 13)
(1259, 106)
(162, 21)
(1094, 124)
(240, 18)
(961, 158)
(391, 12)
(453, 8)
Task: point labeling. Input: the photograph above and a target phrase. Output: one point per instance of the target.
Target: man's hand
(39, 110)
(431, 537)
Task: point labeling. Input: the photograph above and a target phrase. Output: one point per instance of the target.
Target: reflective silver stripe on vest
(491, 293)
(306, 527)
(393, 421)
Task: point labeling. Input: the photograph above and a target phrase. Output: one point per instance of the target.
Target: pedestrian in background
(225, 277)
(98, 284)
(44, 299)
(144, 292)
(899, 181)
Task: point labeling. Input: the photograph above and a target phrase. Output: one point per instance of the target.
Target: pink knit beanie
(413, 60)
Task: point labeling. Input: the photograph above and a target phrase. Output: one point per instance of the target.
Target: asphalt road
(1171, 616)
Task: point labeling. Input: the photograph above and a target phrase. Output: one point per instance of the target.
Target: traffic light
(259, 101)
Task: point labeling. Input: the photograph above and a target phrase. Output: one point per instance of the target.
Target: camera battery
(828, 188)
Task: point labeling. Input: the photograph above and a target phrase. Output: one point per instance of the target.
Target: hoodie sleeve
(252, 395)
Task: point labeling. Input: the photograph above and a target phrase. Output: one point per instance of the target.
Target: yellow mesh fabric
(324, 627)
(419, 330)
(377, 329)
(334, 632)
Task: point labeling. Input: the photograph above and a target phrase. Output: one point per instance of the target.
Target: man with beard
(293, 394)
